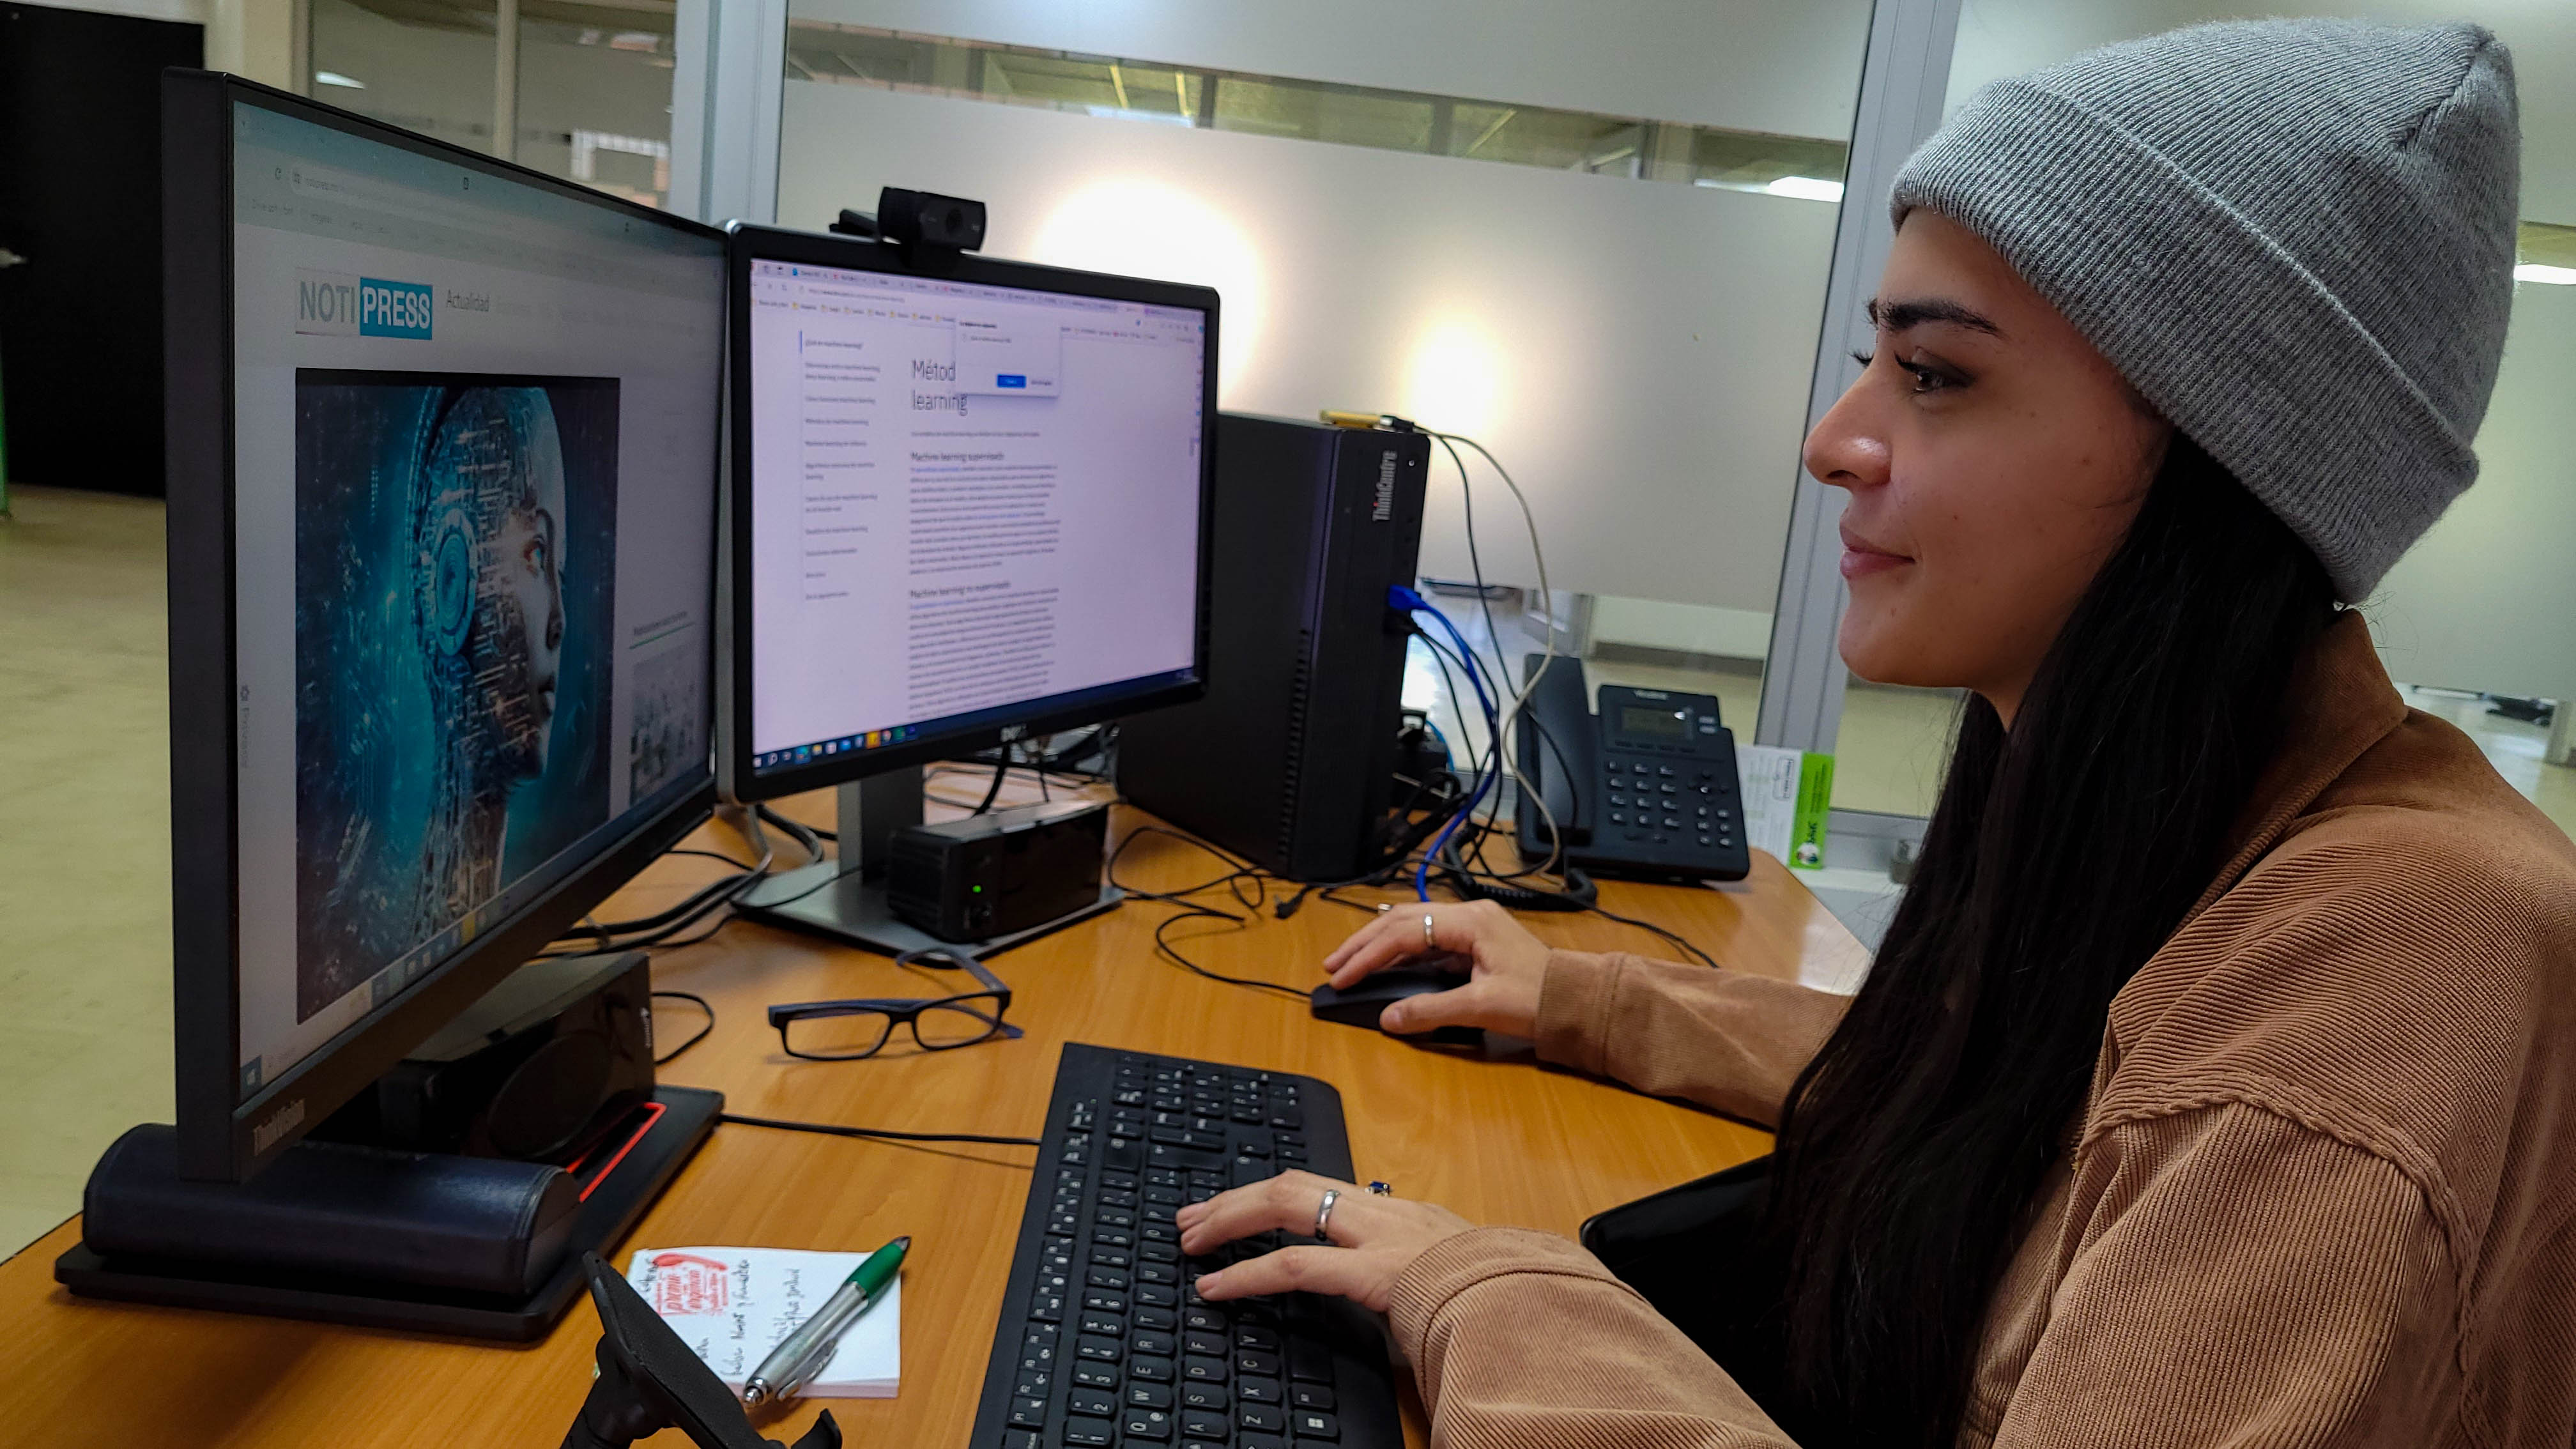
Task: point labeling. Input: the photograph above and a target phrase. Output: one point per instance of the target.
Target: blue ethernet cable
(1399, 596)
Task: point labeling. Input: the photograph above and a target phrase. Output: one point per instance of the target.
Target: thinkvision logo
(1383, 507)
(280, 1122)
(337, 304)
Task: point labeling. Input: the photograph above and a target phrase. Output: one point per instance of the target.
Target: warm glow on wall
(1453, 380)
(1147, 229)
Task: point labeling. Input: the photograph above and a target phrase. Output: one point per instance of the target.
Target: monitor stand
(661, 1139)
(830, 898)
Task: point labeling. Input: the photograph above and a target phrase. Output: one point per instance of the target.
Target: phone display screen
(1662, 723)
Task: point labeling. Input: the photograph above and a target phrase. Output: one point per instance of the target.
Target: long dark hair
(2062, 853)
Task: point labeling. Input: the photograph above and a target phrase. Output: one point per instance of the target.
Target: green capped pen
(793, 1364)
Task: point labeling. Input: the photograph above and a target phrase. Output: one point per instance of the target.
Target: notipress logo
(335, 304)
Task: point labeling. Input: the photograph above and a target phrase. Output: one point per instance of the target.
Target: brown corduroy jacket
(2324, 1188)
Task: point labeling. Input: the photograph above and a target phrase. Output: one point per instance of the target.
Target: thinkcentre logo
(1382, 507)
(336, 304)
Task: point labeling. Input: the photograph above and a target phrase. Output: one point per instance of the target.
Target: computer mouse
(1367, 998)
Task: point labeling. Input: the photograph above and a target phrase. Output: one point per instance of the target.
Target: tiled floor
(84, 827)
(84, 844)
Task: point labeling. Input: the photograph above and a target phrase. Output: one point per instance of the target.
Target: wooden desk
(1497, 1140)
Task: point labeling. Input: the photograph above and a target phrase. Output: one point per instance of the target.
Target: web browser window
(969, 502)
(475, 434)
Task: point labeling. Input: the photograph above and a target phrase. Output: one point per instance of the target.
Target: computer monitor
(443, 471)
(970, 502)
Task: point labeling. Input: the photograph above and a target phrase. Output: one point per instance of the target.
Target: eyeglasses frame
(905, 1010)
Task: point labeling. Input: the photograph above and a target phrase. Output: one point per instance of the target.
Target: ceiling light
(2552, 276)
(1806, 188)
(334, 78)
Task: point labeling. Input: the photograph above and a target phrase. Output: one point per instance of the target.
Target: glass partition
(1611, 270)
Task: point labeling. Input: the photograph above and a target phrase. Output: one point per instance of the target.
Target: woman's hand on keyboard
(1507, 964)
(1373, 1239)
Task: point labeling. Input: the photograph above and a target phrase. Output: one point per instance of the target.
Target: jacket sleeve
(2228, 1276)
(2225, 1276)
(1724, 1039)
(1522, 1340)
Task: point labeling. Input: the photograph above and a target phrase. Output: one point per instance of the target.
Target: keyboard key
(1028, 1413)
(1157, 1344)
(1101, 1300)
(1158, 1319)
(1200, 1425)
(1252, 1335)
(1109, 1278)
(1110, 1258)
(1310, 1396)
(1153, 1424)
(1092, 1402)
(1158, 1295)
(1258, 1391)
(1261, 1418)
(1203, 1370)
(1206, 1320)
(1261, 1441)
(1095, 1375)
(1203, 1396)
(1021, 1439)
(1314, 1424)
(1089, 1433)
(1093, 1346)
(1151, 1370)
(1032, 1386)
(1153, 1396)
(1254, 1361)
(1309, 1363)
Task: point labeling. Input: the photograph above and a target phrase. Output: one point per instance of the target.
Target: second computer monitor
(970, 500)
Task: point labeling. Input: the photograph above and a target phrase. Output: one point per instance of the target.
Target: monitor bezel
(749, 243)
(222, 1137)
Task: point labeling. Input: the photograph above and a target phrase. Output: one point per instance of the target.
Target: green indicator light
(979, 890)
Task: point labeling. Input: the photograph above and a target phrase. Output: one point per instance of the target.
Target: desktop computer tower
(1288, 759)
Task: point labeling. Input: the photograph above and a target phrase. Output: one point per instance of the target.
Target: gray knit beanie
(2294, 237)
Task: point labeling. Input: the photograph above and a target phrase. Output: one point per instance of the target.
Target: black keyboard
(1102, 1340)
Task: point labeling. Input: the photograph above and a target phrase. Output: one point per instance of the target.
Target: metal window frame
(728, 99)
(1904, 80)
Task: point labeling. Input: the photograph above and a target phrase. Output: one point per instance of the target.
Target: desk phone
(1645, 787)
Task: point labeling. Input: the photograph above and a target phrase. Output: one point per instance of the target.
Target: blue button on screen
(1011, 379)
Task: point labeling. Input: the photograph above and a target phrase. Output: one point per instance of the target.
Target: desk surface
(1495, 1139)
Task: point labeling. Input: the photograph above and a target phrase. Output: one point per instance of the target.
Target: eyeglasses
(837, 1031)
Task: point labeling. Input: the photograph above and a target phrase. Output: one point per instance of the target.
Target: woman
(2215, 1082)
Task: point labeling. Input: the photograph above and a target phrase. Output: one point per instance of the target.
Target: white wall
(1637, 353)
(2488, 600)
(1786, 66)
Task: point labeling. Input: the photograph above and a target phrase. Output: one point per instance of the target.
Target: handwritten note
(731, 1306)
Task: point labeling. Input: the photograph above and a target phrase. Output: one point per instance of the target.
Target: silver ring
(1382, 1189)
(1385, 906)
(1427, 942)
(1324, 1214)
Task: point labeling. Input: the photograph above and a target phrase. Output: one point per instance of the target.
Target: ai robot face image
(492, 576)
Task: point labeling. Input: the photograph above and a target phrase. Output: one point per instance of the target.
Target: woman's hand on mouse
(1506, 966)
